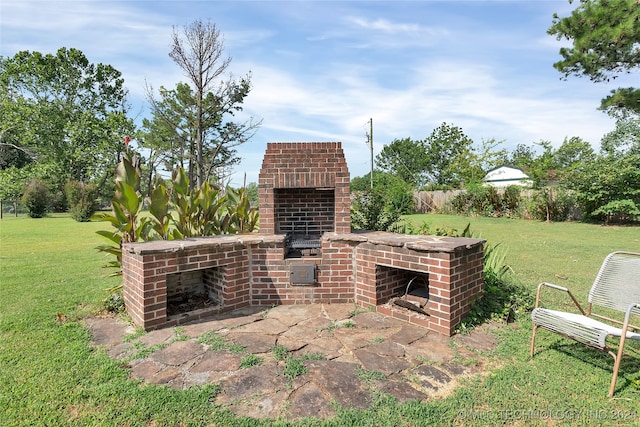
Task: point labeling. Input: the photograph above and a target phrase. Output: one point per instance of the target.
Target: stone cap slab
(420, 243)
(168, 246)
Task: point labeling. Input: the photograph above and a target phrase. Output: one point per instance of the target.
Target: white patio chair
(616, 287)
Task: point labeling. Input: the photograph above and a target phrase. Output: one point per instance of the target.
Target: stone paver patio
(348, 354)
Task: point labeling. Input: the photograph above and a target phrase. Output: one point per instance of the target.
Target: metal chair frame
(617, 287)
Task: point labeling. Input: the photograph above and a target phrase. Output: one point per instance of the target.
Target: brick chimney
(304, 189)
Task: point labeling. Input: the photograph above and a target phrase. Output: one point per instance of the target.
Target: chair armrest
(627, 316)
(558, 288)
(552, 286)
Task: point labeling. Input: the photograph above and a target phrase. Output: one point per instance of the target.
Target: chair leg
(616, 366)
(533, 339)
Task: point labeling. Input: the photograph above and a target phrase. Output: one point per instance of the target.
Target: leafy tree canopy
(444, 158)
(623, 140)
(606, 42)
(449, 154)
(406, 159)
(61, 110)
(171, 133)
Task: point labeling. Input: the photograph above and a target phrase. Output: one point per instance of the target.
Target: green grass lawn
(50, 375)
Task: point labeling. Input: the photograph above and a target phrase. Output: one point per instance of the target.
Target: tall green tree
(448, 151)
(406, 159)
(444, 159)
(572, 154)
(606, 43)
(199, 51)
(480, 160)
(172, 131)
(64, 112)
(623, 140)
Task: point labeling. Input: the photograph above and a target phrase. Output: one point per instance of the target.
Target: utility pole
(371, 148)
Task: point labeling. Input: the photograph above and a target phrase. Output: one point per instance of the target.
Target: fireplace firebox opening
(404, 288)
(193, 290)
(303, 215)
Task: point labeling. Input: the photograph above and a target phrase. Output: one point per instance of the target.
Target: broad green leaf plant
(175, 212)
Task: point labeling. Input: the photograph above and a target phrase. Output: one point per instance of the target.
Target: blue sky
(320, 70)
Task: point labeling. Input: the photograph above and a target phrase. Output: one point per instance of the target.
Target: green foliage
(65, 112)
(487, 201)
(114, 303)
(501, 300)
(241, 216)
(217, 342)
(200, 211)
(623, 140)
(294, 366)
(604, 182)
(445, 158)
(406, 159)
(552, 204)
(280, 352)
(13, 182)
(250, 360)
(397, 192)
(370, 376)
(511, 198)
(618, 211)
(81, 198)
(371, 211)
(605, 36)
(36, 198)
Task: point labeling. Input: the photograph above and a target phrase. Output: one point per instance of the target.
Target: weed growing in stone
(250, 360)
(216, 342)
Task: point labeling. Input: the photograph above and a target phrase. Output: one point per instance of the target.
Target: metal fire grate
(415, 298)
(302, 245)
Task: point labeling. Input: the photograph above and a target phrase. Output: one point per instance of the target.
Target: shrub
(36, 198)
(488, 201)
(371, 211)
(82, 200)
(618, 211)
(511, 199)
(501, 301)
(551, 204)
(203, 211)
(476, 200)
(397, 193)
(114, 303)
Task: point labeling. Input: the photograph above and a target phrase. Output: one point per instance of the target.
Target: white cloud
(320, 70)
(384, 25)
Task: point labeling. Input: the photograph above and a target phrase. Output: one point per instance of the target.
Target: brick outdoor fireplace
(304, 253)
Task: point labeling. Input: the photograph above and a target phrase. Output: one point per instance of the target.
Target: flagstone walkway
(295, 361)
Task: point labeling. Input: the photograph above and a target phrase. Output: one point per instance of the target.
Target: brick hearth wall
(251, 271)
(455, 280)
